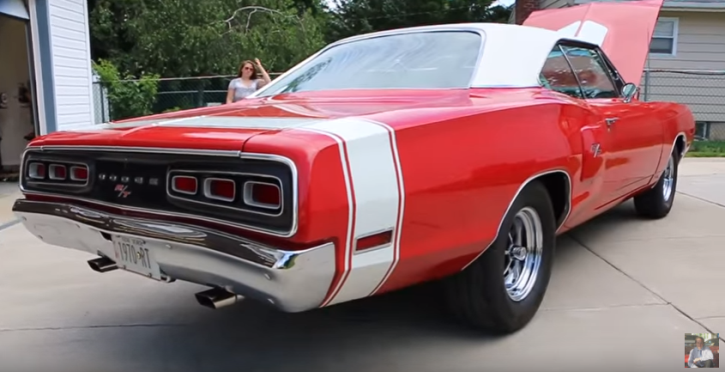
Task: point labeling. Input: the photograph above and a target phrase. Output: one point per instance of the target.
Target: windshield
(424, 60)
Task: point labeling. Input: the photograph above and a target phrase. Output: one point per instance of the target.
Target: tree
(352, 17)
(127, 98)
(192, 38)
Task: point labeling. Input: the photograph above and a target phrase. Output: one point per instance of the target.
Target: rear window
(423, 60)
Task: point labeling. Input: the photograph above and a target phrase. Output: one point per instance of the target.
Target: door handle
(610, 121)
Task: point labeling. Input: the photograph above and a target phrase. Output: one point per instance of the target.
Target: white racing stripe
(590, 31)
(376, 200)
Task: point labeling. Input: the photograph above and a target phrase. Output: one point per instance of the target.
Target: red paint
(481, 145)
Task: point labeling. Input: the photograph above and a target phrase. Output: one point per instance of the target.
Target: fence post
(646, 85)
(103, 107)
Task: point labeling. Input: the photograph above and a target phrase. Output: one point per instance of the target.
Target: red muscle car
(451, 152)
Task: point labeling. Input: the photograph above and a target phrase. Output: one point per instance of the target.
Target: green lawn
(707, 149)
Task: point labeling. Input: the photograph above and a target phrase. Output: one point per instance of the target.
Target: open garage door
(17, 104)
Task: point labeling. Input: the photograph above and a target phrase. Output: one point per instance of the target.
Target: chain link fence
(703, 91)
(173, 94)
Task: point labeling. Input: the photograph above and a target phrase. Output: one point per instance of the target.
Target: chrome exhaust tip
(216, 298)
(102, 264)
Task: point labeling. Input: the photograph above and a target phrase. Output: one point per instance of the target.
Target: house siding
(700, 49)
(70, 49)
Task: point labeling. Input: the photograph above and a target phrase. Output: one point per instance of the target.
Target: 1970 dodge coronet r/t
(451, 152)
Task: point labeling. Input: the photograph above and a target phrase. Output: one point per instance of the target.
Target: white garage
(45, 73)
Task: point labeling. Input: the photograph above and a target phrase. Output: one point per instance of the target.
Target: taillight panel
(248, 192)
(61, 174)
(179, 184)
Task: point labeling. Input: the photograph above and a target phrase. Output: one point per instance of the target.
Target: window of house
(664, 39)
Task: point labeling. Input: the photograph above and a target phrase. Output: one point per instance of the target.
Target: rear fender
(678, 129)
(461, 175)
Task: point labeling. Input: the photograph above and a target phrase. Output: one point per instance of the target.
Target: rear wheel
(657, 202)
(502, 290)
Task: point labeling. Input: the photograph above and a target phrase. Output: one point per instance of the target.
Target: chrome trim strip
(225, 206)
(249, 201)
(290, 280)
(145, 150)
(516, 195)
(207, 191)
(656, 177)
(685, 148)
(154, 150)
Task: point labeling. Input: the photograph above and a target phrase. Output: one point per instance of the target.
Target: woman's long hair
(254, 70)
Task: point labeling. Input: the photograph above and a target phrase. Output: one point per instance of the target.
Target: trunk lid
(228, 127)
(622, 29)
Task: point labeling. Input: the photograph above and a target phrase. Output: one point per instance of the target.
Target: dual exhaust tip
(214, 298)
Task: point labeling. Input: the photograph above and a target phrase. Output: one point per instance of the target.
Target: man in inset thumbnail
(701, 356)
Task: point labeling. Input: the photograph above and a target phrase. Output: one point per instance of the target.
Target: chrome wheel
(668, 178)
(523, 253)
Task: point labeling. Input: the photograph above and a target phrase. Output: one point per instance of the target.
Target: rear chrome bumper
(291, 281)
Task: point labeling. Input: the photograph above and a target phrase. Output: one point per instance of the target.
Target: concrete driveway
(623, 295)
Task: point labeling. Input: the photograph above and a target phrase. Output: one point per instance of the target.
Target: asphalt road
(623, 294)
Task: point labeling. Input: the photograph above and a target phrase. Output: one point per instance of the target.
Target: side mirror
(629, 92)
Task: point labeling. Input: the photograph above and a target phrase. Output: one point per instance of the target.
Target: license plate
(136, 255)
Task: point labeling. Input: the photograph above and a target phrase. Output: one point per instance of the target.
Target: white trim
(37, 70)
(675, 34)
(92, 104)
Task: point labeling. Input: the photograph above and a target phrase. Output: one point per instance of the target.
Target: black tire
(652, 203)
(478, 294)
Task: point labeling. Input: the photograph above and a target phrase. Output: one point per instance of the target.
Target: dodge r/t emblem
(122, 191)
(596, 149)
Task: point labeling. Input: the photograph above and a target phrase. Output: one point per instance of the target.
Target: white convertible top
(512, 55)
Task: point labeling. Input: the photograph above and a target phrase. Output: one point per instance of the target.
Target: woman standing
(247, 81)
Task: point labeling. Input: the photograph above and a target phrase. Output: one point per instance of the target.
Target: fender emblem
(596, 149)
(122, 191)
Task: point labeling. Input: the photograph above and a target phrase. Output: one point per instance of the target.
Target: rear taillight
(222, 189)
(188, 185)
(263, 195)
(79, 173)
(57, 172)
(36, 171)
(255, 193)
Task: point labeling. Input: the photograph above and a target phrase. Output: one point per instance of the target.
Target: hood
(622, 29)
(228, 127)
